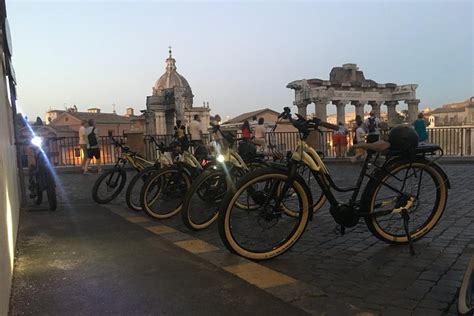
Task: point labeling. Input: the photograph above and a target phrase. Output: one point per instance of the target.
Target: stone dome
(171, 79)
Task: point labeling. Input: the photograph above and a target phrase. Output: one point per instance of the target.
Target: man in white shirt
(93, 151)
(372, 124)
(195, 129)
(83, 143)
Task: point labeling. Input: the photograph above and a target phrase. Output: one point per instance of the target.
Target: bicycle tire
(170, 182)
(375, 186)
(138, 179)
(205, 193)
(116, 185)
(228, 228)
(51, 192)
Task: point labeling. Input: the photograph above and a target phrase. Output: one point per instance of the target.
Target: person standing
(359, 139)
(195, 129)
(372, 125)
(93, 150)
(246, 132)
(339, 140)
(83, 143)
(260, 133)
(420, 128)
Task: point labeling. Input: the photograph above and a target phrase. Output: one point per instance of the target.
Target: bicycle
(109, 185)
(162, 194)
(161, 161)
(398, 191)
(40, 176)
(202, 199)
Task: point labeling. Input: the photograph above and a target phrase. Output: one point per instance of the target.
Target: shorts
(339, 139)
(93, 152)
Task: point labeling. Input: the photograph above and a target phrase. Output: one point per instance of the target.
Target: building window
(66, 119)
(110, 133)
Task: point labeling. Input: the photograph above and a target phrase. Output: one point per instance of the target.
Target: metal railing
(455, 141)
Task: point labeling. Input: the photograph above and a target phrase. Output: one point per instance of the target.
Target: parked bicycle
(109, 185)
(162, 194)
(40, 176)
(403, 200)
(132, 195)
(202, 199)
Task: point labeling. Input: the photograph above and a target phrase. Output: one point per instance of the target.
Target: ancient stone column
(341, 111)
(412, 109)
(376, 107)
(391, 112)
(359, 108)
(150, 128)
(321, 109)
(302, 108)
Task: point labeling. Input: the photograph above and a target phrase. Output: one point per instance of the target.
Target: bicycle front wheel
(109, 185)
(417, 188)
(132, 195)
(162, 194)
(201, 203)
(264, 230)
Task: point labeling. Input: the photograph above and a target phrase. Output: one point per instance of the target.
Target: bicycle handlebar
(303, 124)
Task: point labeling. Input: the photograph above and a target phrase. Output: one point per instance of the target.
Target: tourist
(359, 139)
(339, 139)
(253, 123)
(83, 143)
(180, 132)
(372, 126)
(260, 134)
(246, 132)
(420, 128)
(195, 130)
(93, 150)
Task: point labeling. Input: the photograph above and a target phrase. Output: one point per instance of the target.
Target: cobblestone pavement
(357, 267)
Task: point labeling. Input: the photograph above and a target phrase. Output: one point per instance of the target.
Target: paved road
(359, 269)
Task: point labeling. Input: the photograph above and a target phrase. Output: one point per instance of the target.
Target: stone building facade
(347, 86)
(453, 114)
(171, 100)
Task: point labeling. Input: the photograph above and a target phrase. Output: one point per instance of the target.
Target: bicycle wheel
(266, 231)
(109, 185)
(162, 194)
(424, 195)
(51, 192)
(132, 195)
(201, 202)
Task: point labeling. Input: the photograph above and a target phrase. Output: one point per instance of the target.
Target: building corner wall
(9, 198)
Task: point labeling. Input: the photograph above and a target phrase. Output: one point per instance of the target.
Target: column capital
(391, 103)
(414, 101)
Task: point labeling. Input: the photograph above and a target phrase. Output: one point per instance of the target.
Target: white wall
(9, 197)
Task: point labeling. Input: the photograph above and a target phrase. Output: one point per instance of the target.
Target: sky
(238, 56)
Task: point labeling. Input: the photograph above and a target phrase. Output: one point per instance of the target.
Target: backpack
(92, 138)
(372, 125)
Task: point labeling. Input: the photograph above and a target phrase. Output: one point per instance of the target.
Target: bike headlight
(37, 141)
(220, 158)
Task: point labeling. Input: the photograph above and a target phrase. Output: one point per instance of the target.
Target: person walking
(83, 143)
(372, 125)
(93, 150)
(420, 128)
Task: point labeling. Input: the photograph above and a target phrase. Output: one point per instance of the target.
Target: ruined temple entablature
(348, 85)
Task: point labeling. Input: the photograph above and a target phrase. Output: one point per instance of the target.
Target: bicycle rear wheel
(51, 192)
(424, 195)
(132, 195)
(262, 230)
(109, 185)
(163, 192)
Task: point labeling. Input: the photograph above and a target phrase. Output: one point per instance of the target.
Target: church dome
(171, 79)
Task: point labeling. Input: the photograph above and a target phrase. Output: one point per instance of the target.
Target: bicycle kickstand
(406, 218)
